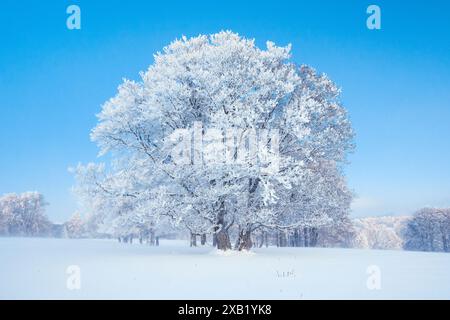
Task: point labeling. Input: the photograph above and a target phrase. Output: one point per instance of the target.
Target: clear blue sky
(395, 81)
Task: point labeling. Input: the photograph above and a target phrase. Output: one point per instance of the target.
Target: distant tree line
(427, 230)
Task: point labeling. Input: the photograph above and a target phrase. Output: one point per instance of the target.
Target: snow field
(38, 269)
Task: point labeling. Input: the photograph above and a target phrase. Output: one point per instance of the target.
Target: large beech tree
(218, 96)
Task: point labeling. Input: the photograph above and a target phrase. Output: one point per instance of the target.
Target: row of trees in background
(427, 230)
(23, 215)
(380, 232)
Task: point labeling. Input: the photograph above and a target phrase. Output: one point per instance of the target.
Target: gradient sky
(395, 81)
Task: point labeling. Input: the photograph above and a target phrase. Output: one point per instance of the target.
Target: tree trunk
(221, 233)
(223, 240)
(282, 238)
(266, 239)
(445, 244)
(203, 239)
(244, 240)
(152, 238)
(193, 240)
(305, 237)
(294, 238)
(314, 236)
(214, 239)
(297, 238)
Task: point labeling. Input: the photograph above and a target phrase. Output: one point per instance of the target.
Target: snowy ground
(36, 269)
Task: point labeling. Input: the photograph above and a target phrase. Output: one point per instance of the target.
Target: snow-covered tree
(318, 208)
(214, 136)
(429, 230)
(115, 210)
(23, 214)
(75, 226)
(5, 217)
(384, 232)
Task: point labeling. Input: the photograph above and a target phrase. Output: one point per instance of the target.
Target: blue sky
(395, 82)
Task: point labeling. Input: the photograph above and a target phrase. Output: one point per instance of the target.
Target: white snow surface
(36, 269)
